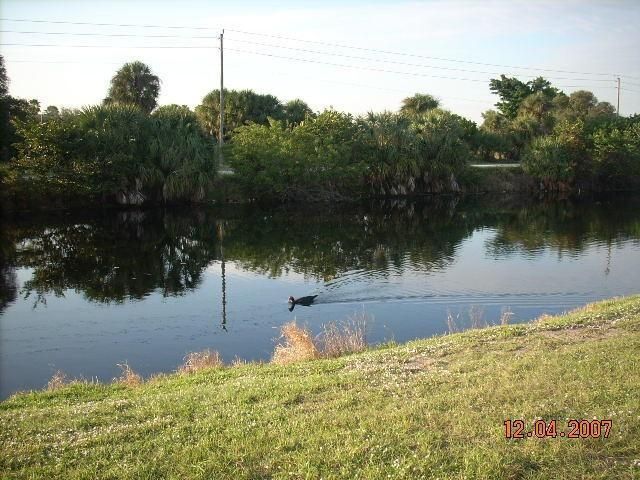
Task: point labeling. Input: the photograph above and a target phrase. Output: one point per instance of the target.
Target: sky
(354, 56)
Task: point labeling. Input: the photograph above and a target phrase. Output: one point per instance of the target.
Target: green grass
(429, 409)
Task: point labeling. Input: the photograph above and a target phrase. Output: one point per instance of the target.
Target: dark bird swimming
(304, 301)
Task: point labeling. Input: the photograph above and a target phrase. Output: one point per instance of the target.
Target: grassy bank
(428, 409)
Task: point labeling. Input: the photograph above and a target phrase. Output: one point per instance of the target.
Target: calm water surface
(84, 292)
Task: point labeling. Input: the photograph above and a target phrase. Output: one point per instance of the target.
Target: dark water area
(83, 292)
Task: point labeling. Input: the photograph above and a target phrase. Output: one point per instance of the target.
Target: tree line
(129, 150)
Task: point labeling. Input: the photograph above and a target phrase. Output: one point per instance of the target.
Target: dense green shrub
(604, 155)
(422, 154)
(48, 160)
(183, 165)
(333, 155)
(616, 151)
(116, 152)
(314, 160)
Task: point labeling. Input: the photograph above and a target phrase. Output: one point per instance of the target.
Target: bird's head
(291, 300)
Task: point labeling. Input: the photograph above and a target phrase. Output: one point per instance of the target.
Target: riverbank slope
(430, 408)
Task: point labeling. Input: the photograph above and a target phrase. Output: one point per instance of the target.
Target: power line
(61, 22)
(337, 45)
(421, 65)
(105, 46)
(397, 90)
(299, 50)
(358, 67)
(95, 34)
(99, 62)
(387, 52)
(380, 69)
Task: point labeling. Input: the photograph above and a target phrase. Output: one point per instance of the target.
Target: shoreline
(431, 405)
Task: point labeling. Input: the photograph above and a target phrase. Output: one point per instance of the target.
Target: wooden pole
(221, 133)
(618, 107)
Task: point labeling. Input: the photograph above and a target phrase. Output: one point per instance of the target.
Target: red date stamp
(516, 429)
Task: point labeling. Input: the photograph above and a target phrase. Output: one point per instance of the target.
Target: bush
(116, 152)
(560, 159)
(423, 154)
(616, 151)
(315, 160)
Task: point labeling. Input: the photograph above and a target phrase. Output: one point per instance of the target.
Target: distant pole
(618, 108)
(221, 133)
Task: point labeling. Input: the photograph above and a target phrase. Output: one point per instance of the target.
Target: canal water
(84, 291)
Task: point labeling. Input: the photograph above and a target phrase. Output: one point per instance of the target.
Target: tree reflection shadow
(126, 255)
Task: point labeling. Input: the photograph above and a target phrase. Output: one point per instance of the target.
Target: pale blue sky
(579, 36)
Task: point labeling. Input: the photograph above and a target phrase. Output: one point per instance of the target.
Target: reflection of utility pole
(220, 232)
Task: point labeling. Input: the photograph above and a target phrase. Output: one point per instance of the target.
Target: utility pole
(221, 133)
(618, 108)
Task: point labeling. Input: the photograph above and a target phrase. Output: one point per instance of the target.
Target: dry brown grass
(452, 321)
(345, 337)
(336, 339)
(505, 315)
(296, 345)
(476, 317)
(195, 361)
(58, 380)
(239, 362)
(128, 377)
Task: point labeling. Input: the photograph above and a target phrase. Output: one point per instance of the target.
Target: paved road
(496, 165)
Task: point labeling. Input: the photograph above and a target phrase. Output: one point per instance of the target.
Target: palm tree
(240, 108)
(419, 103)
(296, 111)
(134, 84)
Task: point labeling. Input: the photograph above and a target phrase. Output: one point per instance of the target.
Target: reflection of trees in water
(566, 227)
(8, 286)
(111, 257)
(324, 243)
(118, 256)
(8, 279)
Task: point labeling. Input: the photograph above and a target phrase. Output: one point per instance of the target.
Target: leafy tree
(317, 159)
(584, 105)
(559, 160)
(5, 126)
(542, 85)
(616, 151)
(512, 92)
(11, 110)
(296, 111)
(134, 84)
(117, 152)
(494, 122)
(4, 79)
(418, 104)
(241, 107)
(47, 160)
(51, 112)
(537, 105)
(495, 137)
